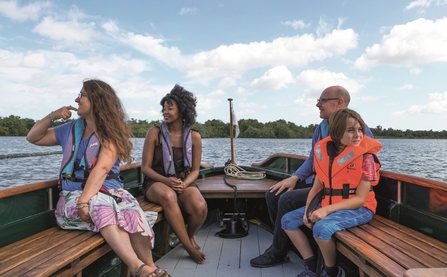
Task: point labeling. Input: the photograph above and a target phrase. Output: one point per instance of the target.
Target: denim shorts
(326, 227)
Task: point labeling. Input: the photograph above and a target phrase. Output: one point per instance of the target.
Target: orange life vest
(341, 174)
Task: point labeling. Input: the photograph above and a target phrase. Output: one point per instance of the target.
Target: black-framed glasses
(81, 94)
(323, 100)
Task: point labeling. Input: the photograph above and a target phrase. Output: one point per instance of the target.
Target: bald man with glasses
(291, 193)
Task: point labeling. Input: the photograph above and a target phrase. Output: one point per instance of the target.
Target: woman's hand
(84, 214)
(41, 133)
(176, 184)
(64, 112)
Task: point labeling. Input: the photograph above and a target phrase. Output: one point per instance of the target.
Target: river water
(420, 157)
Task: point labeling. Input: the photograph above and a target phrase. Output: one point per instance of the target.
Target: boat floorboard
(227, 257)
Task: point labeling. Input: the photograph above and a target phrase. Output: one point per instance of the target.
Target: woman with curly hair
(171, 163)
(92, 196)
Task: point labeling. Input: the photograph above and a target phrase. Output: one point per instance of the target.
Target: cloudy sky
(272, 57)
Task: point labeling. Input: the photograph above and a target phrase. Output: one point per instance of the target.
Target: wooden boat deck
(227, 257)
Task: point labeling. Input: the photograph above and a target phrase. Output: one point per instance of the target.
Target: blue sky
(272, 57)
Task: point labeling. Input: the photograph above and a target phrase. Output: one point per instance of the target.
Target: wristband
(51, 116)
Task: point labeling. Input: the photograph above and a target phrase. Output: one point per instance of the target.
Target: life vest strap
(344, 192)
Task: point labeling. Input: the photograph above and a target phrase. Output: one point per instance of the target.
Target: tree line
(249, 128)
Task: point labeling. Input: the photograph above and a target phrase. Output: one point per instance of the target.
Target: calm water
(424, 158)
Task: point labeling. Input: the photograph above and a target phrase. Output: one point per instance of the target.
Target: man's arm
(307, 168)
(368, 132)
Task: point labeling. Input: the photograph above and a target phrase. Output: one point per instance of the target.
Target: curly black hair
(186, 103)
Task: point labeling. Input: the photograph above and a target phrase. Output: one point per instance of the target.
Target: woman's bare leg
(122, 244)
(161, 194)
(197, 209)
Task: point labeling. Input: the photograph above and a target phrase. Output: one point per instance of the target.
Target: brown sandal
(137, 274)
(162, 272)
(158, 272)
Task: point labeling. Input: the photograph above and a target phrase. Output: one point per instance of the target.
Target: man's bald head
(333, 99)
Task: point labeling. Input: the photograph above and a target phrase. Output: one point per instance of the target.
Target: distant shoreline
(249, 128)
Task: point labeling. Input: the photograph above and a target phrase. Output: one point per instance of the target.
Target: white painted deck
(227, 257)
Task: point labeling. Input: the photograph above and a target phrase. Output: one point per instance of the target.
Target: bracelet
(80, 203)
(81, 206)
(51, 116)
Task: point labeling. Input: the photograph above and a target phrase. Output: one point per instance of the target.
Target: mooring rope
(238, 172)
(22, 155)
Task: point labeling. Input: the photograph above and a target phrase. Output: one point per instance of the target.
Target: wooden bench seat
(386, 248)
(57, 252)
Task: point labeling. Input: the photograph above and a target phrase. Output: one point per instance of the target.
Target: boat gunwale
(411, 179)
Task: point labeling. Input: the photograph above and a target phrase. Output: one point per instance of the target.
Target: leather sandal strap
(137, 274)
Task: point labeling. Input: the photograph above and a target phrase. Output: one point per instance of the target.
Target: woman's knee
(166, 196)
(194, 203)
(202, 208)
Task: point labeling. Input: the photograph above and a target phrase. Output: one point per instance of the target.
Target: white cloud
(241, 90)
(66, 31)
(296, 24)
(247, 108)
(146, 44)
(32, 11)
(324, 27)
(418, 3)
(415, 71)
(406, 86)
(341, 20)
(318, 80)
(436, 105)
(275, 78)
(184, 11)
(227, 82)
(419, 41)
(210, 101)
(228, 60)
(42, 77)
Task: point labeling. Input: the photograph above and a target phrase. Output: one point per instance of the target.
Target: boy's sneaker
(268, 259)
(341, 273)
(307, 273)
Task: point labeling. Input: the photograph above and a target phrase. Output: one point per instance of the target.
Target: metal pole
(231, 130)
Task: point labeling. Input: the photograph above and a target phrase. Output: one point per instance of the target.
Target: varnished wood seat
(57, 252)
(386, 248)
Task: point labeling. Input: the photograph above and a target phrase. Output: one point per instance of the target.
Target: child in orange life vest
(347, 167)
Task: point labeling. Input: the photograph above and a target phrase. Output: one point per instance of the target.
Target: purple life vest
(166, 146)
(71, 149)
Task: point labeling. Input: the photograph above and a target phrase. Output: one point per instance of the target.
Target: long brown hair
(111, 122)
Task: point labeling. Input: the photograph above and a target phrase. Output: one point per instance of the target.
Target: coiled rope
(238, 172)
